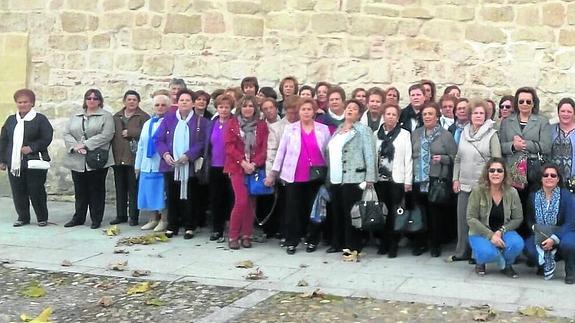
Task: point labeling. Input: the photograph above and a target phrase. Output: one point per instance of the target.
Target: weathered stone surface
(441, 29)
(410, 27)
(109, 5)
(136, 4)
(28, 5)
(146, 38)
(459, 13)
(567, 37)
(248, 26)
(498, 14)
(372, 25)
(141, 19)
(553, 14)
(484, 34)
(160, 65)
(116, 20)
(13, 22)
(243, 7)
(128, 62)
(571, 13)
(416, 12)
(157, 5)
(75, 42)
(381, 10)
(528, 15)
(183, 24)
(74, 22)
(101, 60)
(213, 22)
(85, 5)
(538, 34)
(305, 4)
(101, 41)
(324, 23)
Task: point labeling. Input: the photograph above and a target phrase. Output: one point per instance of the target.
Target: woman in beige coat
(87, 132)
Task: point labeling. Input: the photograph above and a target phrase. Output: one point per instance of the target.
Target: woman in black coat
(25, 136)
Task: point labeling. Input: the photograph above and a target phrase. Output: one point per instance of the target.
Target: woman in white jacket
(395, 176)
(478, 143)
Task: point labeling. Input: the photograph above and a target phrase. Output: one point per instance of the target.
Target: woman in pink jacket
(300, 161)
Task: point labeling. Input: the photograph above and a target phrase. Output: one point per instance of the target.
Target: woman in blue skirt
(151, 197)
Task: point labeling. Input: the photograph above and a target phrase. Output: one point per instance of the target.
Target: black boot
(569, 269)
(133, 221)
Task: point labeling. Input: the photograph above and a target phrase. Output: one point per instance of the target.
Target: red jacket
(235, 146)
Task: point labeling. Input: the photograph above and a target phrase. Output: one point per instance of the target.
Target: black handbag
(439, 190)
(409, 220)
(95, 158)
(369, 213)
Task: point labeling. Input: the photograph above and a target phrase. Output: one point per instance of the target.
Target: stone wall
(488, 47)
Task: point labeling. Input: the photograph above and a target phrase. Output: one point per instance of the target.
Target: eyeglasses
(496, 170)
(91, 98)
(552, 175)
(505, 106)
(528, 102)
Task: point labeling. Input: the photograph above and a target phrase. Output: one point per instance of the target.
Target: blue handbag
(255, 183)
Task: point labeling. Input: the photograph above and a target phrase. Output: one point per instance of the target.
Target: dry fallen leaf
(245, 264)
(34, 290)
(44, 317)
(139, 288)
(140, 273)
(533, 311)
(256, 275)
(105, 301)
(302, 283)
(112, 231)
(350, 256)
(118, 265)
(155, 302)
(484, 314)
(66, 263)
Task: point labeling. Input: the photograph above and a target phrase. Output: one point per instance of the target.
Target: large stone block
(101, 41)
(410, 27)
(324, 23)
(109, 5)
(536, 34)
(173, 42)
(213, 22)
(75, 42)
(498, 14)
(369, 25)
(13, 22)
(571, 13)
(128, 61)
(565, 60)
(381, 10)
(485, 34)
(417, 12)
(74, 22)
(458, 13)
(146, 38)
(304, 4)
(157, 5)
(136, 4)
(567, 37)
(443, 30)
(528, 15)
(84, 5)
(243, 7)
(159, 65)
(248, 26)
(28, 4)
(183, 24)
(76, 61)
(101, 60)
(116, 20)
(553, 14)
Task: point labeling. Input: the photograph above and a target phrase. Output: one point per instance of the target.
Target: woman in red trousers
(246, 144)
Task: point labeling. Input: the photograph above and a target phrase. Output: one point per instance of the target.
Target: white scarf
(335, 116)
(18, 141)
(180, 146)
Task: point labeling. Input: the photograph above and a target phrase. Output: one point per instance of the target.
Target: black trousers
(182, 213)
(90, 191)
(436, 219)
(126, 192)
(299, 201)
(29, 187)
(343, 234)
(221, 198)
(204, 204)
(391, 194)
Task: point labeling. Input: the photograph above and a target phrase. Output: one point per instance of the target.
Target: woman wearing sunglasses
(551, 218)
(563, 147)
(505, 109)
(493, 213)
(524, 137)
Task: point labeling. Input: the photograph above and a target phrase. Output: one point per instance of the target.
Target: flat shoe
(42, 223)
(71, 223)
(311, 247)
(333, 250)
(290, 250)
(509, 272)
(454, 258)
(95, 226)
(215, 236)
(188, 235)
(480, 270)
(19, 223)
(170, 234)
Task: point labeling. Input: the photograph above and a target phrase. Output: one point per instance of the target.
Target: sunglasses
(529, 102)
(505, 106)
(496, 170)
(91, 98)
(552, 175)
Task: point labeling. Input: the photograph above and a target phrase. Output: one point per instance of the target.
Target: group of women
(507, 167)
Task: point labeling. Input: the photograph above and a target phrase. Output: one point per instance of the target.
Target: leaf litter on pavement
(43, 317)
(143, 240)
(34, 290)
(245, 264)
(112, 231)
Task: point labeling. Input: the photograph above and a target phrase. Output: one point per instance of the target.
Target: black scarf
(408, 114)
(387, 150)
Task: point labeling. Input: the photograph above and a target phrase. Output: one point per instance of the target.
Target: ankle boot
(569, 269)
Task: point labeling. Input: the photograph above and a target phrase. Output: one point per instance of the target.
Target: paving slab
(405, 278)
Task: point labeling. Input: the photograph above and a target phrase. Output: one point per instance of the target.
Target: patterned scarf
(386, 150)
(248, 133)
(422, 165)
(546, 214)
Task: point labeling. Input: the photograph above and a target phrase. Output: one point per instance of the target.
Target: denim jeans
(484, 251)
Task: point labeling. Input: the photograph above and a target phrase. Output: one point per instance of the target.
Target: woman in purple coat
(180, 143)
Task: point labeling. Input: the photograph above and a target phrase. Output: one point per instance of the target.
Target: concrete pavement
(406, 278)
